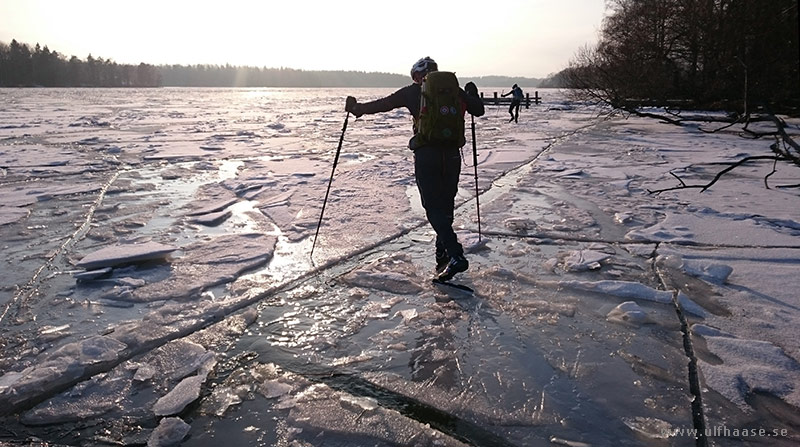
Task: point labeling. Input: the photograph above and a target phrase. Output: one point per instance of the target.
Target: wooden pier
(497, 100)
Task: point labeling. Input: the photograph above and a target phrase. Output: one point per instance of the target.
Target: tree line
(236, 76)
(21, 65)
(728, 54)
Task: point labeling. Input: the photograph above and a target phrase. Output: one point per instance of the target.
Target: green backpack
(441, 111)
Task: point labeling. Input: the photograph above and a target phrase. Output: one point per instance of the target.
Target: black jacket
(409, 97)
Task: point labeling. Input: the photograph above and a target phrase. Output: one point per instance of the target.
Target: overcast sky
(530, 38)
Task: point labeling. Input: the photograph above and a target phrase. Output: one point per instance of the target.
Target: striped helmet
(424, 66)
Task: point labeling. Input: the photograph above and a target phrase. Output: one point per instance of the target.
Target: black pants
(514, 110)
(437, 171)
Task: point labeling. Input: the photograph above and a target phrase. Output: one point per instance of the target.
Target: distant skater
(513, 109)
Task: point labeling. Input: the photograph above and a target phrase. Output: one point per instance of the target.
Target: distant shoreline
(25, 66)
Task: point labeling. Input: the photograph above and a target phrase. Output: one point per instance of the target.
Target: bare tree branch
(719, 175)
(781, 125)
(634, 111)
(774, 170)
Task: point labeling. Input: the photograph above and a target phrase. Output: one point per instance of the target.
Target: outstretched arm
(385, 104)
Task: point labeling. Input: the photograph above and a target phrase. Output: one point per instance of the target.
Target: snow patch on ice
(714, 228)
(751, 366)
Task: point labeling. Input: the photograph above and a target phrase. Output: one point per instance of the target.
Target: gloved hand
(471, 89)
(351, 105)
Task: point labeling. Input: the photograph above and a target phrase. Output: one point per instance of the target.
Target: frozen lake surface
(156, 284)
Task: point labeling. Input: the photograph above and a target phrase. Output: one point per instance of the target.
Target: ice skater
(437, 167)
(513, 109)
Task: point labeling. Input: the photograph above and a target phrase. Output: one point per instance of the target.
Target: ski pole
(475, 165)
(324, 202)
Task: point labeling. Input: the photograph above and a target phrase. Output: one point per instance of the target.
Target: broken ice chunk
(628, 313)
(650, 427)
(623, 289)
(144, 373)
(222, 398)
(170, 431)
(123, 254)
(708, 271)
(213, 219)
(274, 388)
(583, 260)
(184, 393)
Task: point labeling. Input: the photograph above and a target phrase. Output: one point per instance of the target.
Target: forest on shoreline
(24, 66)
(736, 55)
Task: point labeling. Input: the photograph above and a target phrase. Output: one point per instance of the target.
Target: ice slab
(61, 366)
(10, 214)
(213, 219)
(623, 289)
(214, 207)
(126, 253)
(186, 392)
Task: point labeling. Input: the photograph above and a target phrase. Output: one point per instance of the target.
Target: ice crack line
(351, 383)
(565, 237)
(26, 291)
(698, 414)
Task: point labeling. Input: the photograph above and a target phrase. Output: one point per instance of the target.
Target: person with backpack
(437, 105)
(515, 102)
